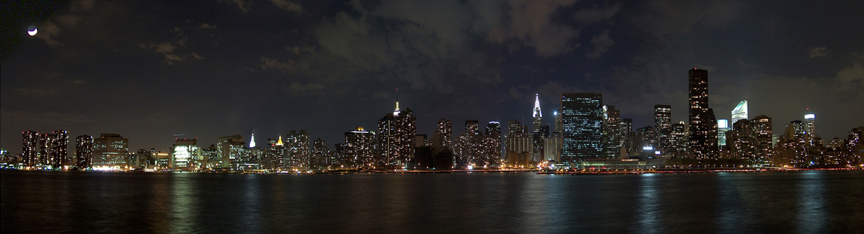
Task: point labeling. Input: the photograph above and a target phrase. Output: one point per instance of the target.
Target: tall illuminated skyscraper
(740, 112)
(491, 150)
(582, 117)
(443, 136)
(762, 129)
(518, 149)
(663, 118)
(83, 151)
(663, 126)
(360, 148)
(701, 123)
(230, 150)
(59, 149)
(298, 149)
(722, 128)
(611, 132)
(810, 123)
(396, 137)
(559, 127)
(538, 116)
(31, 147)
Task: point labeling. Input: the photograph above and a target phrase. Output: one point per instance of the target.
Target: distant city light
(809, 116)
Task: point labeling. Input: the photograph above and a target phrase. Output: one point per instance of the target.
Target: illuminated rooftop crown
(537, 112)
(396, 112)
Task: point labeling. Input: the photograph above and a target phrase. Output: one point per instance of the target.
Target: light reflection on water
(803, 202)
(183, 208)
(811, 202)
(648, 208)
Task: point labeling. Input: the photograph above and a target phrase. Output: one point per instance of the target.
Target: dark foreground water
(776, 202)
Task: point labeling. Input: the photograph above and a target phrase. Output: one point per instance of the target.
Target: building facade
(582, 120)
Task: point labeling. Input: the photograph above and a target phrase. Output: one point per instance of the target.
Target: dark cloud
(242, 4)
(288, 5)
(532, 24)
(818, 51)
(601, 44)
(595, 14)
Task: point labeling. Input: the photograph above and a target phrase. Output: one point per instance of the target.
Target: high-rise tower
(739, 113)
(663, 118)
(83, 151)
(443, 136)
(701, 122)
(396, 137)
(31, 149)
(810, 124)
(582, 117)
(538, 116)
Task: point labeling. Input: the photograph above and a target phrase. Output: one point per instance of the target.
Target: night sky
(150, 70)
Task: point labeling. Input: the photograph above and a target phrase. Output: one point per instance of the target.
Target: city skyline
(88, 73)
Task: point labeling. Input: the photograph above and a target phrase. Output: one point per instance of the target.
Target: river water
(766, 202)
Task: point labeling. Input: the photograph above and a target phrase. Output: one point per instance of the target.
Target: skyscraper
(443, 136)
(559, 127)
(83, 151)
(396, 137)
(679, 134)
(739, 113)
(582, 117)
(59, 156)
(722, 128)
(810, 127)
(699, 145)
(320, 154)
(359, 148)
(663, 126)
(469, 151)
(30, 151)
(762, 129)
(538, 116)
(491, 145)
(611, 132)
(298, 150)
(663, 118)
(741, 141)
(518, 150)
(230, 149)
(627, 136)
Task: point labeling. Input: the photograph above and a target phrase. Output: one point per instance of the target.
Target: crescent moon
(32, 32)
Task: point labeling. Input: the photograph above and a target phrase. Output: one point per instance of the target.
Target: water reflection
(811, 202)
(803, 202)
(649, 217)
(251, 204)
(183, 211)
(729, 204)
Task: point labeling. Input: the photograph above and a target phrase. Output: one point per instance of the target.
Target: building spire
(396, 112)
(538, 115)
(279, 143)
(252, 141)
(537, 112)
